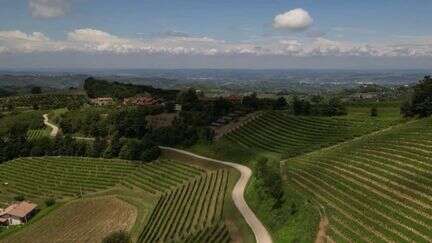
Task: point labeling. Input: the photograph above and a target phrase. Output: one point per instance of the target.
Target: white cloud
(48, 8)
(296, 19)
(97, 41)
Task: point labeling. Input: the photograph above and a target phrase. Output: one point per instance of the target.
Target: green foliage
(117, 237)
(102, 88)
(50, 202)
(150, 154)
(43, 101)
(36, 90)
(421, 100)
(374, 112)
(280, 104)
(19, 198)
(268, 183)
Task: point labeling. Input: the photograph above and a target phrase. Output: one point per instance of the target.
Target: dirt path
(322, 230)
(259, 230)
(54, 128)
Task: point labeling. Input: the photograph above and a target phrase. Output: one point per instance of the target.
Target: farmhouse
(102, 101)
(17, 213)
(148, 101)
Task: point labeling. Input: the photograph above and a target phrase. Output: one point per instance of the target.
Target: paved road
(260, 232)
(54, 128)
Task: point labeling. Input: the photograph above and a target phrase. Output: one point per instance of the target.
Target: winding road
(259, 230)
(54, 128)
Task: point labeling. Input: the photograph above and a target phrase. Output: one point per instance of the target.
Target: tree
(374, 112)
(36, 90)
(150, 154)
(421, 100)
(300, 106)
(280, 103)
(269, 182)
(117, 237)
(99, 146)
(251, 101)
(336, 107)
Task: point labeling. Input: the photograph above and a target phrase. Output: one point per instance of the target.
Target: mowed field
(375, 189)
(289, 135)
(166, 199)
(86, 220)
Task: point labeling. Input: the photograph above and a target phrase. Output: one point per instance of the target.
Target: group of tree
(268, 183)
(317, 106)
(102, 88)
(420, 103)
(15, 144)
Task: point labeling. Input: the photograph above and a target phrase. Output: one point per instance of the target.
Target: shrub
(19, 198)
(50, 202)
(117, 237)
(374, 112)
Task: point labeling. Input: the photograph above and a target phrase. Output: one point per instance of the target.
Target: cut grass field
(375, 189)
(85, 220)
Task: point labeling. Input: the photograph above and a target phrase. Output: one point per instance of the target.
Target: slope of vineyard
(71, 176)
(192, 211)
(162, 176)
(374, 189)
(279, 132)
(37, 133)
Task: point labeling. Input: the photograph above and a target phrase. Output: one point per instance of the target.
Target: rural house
(142, 101)
(102, 101)
(17, 213)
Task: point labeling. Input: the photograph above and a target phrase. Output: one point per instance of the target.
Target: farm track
(54, 128)
(260, 232)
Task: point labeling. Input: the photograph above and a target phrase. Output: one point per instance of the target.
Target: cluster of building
(234, 116)
(17, 213)
(145, 101)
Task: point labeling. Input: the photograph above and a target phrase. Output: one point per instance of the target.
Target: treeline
(101, 88)
(420, 103)
(43, 101)
(15, 144)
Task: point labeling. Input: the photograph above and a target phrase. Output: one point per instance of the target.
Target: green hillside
(375, 189)
(281, 133)
(188, 199)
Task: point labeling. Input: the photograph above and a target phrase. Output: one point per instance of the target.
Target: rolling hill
(375, 189)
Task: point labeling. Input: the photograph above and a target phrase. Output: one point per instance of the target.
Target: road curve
(260, 232)
(54, 128)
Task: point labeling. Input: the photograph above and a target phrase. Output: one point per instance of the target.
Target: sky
(254, 34)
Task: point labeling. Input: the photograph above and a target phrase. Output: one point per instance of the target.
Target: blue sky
(390, 31)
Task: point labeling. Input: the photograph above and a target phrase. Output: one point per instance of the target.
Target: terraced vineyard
(193, 211)
(290, 135)
(37, 133)
(61, 176)
(69, 176)
(162, 177)
(375, 189)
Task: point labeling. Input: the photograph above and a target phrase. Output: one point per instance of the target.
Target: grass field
(375, 189)
(86, 220)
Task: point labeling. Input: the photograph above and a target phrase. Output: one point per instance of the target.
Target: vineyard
(192, 211)
(37, 133)
(162, 176)
(189, 204)
(45, 101)
(290, 135)
(375, 189)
